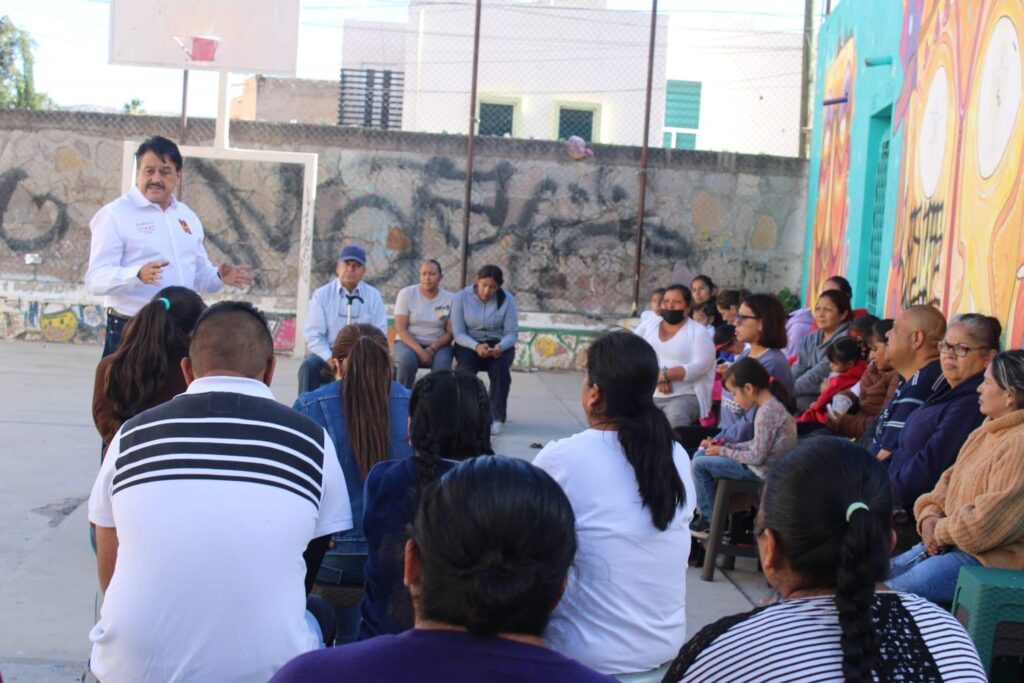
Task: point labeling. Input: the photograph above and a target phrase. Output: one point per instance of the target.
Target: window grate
(877, 224)
(575, 122)
(496, 119)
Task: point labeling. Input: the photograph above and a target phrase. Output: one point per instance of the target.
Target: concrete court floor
(49, 457)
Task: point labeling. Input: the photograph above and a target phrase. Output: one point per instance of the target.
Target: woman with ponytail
(449, 421)
(366, 415)
(624, 609)
(774, 436)
(824, 534)
(145, 371)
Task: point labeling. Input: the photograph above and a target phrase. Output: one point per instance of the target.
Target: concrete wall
(563, 231)
(287, 100)
(941, 85)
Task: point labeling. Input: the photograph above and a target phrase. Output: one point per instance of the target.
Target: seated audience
(449, 421)
(488, 560)
(912, 350)
(655, 309)
(485, 322)
(686, 355)
(846, 365)
(624, 608)
(705, 314)
(728, 304)
(366, 415)
(423, 325)
(832, 315)
(774, 436)
(876, 388)
(345, 301)
(203, 521)
(145, 370)
(975, 514)
(703, 289)
(934, 433)
(825, 549)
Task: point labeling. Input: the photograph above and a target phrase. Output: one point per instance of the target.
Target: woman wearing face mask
(686, 355)
(486, 324)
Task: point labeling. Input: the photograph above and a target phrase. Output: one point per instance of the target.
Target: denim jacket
(324, 407)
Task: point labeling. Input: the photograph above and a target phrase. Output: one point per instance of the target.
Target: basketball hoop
(199, 48)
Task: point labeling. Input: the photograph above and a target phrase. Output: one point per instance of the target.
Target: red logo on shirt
(184, 225)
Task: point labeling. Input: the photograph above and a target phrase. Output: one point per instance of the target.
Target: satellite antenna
(244, 36)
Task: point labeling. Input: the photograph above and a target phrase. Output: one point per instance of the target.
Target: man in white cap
(347, 300)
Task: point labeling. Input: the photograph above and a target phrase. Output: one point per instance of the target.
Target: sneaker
(700, 526)
(497, 428)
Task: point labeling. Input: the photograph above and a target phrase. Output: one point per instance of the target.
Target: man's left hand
(235, 276)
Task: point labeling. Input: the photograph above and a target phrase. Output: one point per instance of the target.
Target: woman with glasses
(825, 549)
(934, 433)
(975, 514)
(686, 356)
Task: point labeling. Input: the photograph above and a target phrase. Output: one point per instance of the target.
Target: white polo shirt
(131, 231)
(215, 496)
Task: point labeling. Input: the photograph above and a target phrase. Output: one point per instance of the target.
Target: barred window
(496, 119)
(575, 122)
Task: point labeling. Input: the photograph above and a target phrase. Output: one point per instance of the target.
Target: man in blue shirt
(347, 300)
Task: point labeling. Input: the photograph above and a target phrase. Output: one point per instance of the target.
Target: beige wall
(287, 100)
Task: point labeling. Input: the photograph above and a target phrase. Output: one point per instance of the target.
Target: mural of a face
(828, 251)
(959, 240)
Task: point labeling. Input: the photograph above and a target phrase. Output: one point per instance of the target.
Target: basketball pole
(184, 108)
(221, 132)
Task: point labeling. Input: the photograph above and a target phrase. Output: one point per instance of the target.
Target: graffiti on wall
(959, 241)
(51, 322)
(828, 254)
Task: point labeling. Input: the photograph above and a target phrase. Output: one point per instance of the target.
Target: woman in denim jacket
(366, 414)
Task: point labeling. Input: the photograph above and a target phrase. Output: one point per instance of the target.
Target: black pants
(115, 328)
(499, 371)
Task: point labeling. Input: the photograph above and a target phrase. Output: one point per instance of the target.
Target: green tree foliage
(134, 106)
(17, 86)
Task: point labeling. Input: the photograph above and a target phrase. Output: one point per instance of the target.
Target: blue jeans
(708, 468)
(933, 577)
(408, 362)
(313, 373)
(115, 328)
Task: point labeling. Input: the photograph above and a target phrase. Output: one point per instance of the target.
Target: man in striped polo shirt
(205, 507)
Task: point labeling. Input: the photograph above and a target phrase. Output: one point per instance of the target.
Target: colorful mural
(959, 233)
(828, 254)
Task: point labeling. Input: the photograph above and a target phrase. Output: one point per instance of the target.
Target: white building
(553, 68)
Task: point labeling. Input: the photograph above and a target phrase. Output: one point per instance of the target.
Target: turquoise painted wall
(875, 27)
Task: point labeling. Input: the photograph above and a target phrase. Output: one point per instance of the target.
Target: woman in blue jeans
(423, 325)
(366, 415)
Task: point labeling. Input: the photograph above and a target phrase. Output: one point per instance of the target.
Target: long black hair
(155, 340)
(495, 537)
(828, 536)
(494, 273)
(625, 367)
(749, 371)
(449, 417)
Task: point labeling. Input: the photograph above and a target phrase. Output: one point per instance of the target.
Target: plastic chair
(990, 604)
(713, 545)
(652, 676)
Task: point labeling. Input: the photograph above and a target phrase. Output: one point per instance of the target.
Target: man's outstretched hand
(235, 276)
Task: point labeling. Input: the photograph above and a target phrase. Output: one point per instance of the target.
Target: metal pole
(643, 162)
(805, 81)
(470, 149)
(184, 107)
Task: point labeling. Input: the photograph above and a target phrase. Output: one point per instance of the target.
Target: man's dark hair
(231, 335)
(163, 148)
(842, 284)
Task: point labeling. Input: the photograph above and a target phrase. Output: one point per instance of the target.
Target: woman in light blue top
(485, 323)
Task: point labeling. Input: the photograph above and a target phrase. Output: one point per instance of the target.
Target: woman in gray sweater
(485, 323)
(832, 316)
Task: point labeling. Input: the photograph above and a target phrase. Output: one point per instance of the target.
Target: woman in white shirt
(686, 356)
(423, 325)
(629, 482)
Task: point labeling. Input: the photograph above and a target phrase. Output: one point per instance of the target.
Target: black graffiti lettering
(9, 181)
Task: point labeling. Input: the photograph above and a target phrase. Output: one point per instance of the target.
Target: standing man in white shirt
(347, 300)
(147, 239)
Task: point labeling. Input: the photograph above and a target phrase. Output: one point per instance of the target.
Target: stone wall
(564, 231)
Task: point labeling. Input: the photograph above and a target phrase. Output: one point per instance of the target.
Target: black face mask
(673, 317)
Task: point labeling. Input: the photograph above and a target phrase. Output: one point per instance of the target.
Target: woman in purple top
(487, 563)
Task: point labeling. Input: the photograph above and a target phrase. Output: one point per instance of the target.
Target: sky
(72, 41)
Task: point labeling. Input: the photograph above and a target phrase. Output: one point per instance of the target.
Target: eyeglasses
(959, 350)
(740, 317)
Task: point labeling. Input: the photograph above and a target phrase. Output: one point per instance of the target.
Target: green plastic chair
(990, 605)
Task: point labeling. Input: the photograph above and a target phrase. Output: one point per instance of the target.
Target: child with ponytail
(774, 436)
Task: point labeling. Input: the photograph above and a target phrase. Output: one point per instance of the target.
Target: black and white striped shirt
(798, 640)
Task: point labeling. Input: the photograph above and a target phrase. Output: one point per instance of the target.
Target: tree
(134, 106)
(17, 85)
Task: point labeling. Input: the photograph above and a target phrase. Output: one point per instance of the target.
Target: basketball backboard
(258, 36)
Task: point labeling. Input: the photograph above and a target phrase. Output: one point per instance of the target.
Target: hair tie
(854, 507)
(166, 302)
